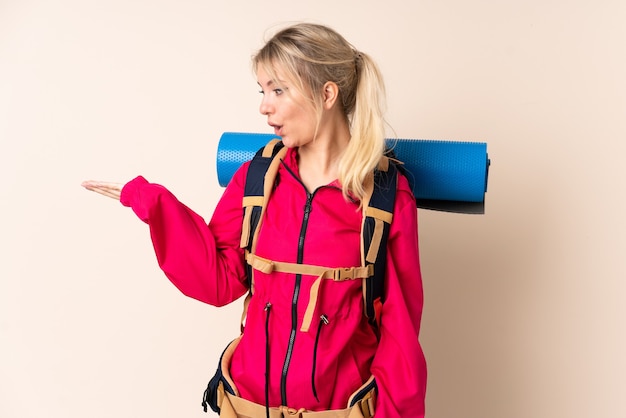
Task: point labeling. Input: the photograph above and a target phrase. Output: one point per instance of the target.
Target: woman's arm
(399, 365)
(203, 261)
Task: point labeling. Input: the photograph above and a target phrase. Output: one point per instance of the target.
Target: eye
(276, 91)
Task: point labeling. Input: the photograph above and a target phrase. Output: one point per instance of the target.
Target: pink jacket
(336, 355)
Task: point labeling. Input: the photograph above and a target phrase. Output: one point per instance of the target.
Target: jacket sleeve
(399, 365)
(203, 261)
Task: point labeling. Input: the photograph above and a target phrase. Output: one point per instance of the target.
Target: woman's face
(288, 111)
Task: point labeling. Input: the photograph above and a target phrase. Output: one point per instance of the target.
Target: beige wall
(525, 308)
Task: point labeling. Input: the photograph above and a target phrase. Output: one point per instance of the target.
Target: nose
(266, 107)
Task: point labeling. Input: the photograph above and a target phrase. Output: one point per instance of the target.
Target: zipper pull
(323, 321)
(308, 204)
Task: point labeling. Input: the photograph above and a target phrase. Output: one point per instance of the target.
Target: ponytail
(367, 127)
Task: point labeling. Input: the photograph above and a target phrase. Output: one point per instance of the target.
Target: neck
(318, 161)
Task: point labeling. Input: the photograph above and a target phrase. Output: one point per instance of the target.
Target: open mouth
(277, 129)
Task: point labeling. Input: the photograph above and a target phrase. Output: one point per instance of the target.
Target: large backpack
(377, 216)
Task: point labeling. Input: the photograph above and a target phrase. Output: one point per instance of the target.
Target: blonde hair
(312, 55)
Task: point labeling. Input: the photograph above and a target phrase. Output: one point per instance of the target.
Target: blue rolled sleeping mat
(448, 176)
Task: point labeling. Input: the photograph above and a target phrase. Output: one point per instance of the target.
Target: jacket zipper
(267, 309)
(294, 300)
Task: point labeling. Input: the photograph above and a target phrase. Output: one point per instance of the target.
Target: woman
(325, 100)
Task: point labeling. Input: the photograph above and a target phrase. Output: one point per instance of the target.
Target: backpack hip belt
(229, 404)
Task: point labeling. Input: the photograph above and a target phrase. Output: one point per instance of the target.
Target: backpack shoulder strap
(260, 180)
(377, 218)
(259, 183)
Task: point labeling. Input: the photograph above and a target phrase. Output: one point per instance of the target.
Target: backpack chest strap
(336, 274)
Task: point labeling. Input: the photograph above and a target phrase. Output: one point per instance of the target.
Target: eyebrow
(269, 83)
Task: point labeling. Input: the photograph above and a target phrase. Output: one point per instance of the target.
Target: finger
(106, 192)
(102, 184)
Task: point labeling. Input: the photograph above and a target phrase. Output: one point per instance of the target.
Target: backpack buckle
(290, 412)
(351, 273)
(347, 273)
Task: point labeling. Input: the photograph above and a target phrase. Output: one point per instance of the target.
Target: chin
(288, 142)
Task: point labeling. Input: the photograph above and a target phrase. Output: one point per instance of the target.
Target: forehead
(267, 75)
(262, 77)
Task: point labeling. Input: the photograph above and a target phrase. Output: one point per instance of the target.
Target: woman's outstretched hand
(112, 190)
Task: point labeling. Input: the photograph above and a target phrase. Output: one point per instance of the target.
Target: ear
(331, 94)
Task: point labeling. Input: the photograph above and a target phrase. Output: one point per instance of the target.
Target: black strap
(383, 198)
(254, 186)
